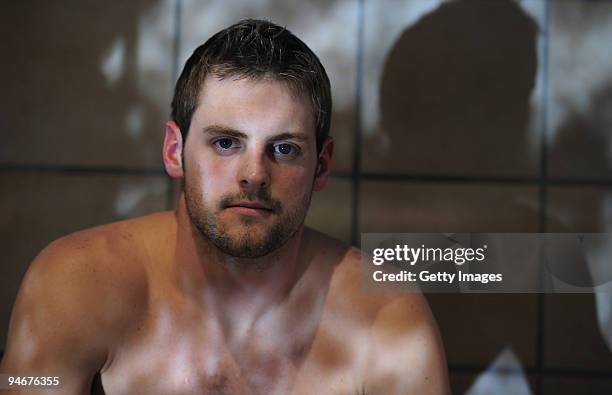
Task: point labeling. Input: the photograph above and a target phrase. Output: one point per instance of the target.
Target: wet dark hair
(255, 49)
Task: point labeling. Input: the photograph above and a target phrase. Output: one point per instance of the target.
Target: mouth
(251, 209)
(253, 205)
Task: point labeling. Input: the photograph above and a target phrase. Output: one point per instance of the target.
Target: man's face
(249, 161)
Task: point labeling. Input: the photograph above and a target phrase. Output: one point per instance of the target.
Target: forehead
(253, 106)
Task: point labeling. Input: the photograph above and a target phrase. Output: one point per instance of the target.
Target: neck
(217, 279)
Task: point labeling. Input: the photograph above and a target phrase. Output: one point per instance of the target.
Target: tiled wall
(450, 116)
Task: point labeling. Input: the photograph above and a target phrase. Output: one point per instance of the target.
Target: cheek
(208, 178)
(295, 183)
(211, 178)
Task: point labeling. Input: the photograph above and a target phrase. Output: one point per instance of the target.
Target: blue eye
(225, 144)
(286, 150)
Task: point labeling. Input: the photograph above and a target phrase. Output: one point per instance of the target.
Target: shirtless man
(230, 293)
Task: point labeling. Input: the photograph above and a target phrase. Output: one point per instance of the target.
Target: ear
(324, 164)
(173, 150)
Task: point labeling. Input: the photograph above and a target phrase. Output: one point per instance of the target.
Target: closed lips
(252, 205)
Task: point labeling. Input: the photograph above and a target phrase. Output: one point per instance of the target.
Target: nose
(254, 173)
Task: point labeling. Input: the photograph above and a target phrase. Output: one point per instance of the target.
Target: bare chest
(194, 359)
(180, 347)
(168, 356)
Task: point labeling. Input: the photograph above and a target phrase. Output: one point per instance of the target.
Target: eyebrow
(220, 130)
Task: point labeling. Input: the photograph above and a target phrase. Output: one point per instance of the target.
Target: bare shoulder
(397, 333)
(77, 297)
(106, 261)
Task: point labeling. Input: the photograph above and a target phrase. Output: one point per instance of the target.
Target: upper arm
(406, 353)
(56, 324)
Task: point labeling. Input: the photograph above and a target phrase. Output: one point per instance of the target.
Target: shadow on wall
(458, 82)
(455, 100)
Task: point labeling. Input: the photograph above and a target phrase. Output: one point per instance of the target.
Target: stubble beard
(247, 243)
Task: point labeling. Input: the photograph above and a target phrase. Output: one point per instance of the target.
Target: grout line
(176, 42)
(75, 169)
(474, 179)
(543, 193)
(548, 373)
(355, 174)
